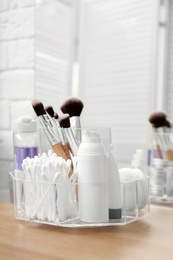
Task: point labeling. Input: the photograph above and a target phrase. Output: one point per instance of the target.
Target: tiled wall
(17, 37)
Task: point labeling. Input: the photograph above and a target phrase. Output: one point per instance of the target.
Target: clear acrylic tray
(57, 203)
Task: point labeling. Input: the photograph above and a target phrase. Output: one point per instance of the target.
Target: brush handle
(48, 129)
(65, 142)
(159, 152)
(166, 142)
(159, 145)
(66, 149)
(70, 150)
(169, 155)
(71, 140)
(59, 150)
(63, 151)
(76, 126)
(52, 136)
(71, 171)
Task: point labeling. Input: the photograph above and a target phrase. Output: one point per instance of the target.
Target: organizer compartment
(57, 203)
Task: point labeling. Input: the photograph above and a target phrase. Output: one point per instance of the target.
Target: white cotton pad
(142, 187)
(136, 193)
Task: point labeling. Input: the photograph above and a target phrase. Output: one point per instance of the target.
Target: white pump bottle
(92, 179)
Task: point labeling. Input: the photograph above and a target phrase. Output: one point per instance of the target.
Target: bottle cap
(90, 137)
(25, 124)
(138, 159)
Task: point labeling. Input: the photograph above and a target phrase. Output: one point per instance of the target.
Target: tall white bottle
(92, 179)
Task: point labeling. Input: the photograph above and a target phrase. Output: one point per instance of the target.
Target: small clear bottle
(158, 178)
(25, 140)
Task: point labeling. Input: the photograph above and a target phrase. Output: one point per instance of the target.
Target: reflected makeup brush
(158, 141)
(59, 131)
(64, 122)
(48, 128)
(74, 106)
(158, 120)
(167, 126)
(168, 131)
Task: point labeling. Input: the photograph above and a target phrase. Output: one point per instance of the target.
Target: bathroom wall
(16, 76)
(36, 42)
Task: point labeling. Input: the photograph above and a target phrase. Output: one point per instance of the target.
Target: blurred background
(117, 56)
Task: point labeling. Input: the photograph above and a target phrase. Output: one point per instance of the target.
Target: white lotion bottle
(92, 179)
(114, 187)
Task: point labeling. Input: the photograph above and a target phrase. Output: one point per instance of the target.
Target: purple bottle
(25, 139)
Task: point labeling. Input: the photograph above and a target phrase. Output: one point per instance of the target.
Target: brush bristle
(167, 124)
(157, 119)
(49, 110)
(38, 107)
(73, 106)
(56, 116)
(64, 121)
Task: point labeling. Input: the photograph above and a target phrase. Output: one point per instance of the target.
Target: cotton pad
(136, 188)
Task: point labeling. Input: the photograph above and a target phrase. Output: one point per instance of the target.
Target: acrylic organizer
(160, 168)
(48, 190)
(56, 203)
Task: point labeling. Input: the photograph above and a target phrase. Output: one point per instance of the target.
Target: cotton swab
(42, 200)
(54, 181)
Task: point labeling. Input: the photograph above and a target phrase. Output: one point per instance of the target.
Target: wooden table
(150, 238)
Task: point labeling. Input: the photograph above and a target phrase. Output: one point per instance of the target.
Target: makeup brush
(48, 128)
(58, 131)
(158, 120)
(158, 141)
(168, 131)
(64, 122)
(73, 106)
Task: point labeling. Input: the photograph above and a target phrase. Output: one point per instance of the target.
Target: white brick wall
(4, 115)
(3, 56)
(19, 3)
(21, 53)
(18, 62)
(17, 24)
(17, 84)
(6, 140)
(17, 44)
(3, 5)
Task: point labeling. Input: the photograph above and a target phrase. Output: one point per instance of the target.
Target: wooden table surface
(146, 239)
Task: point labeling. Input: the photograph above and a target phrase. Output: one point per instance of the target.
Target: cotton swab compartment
(43, 190)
